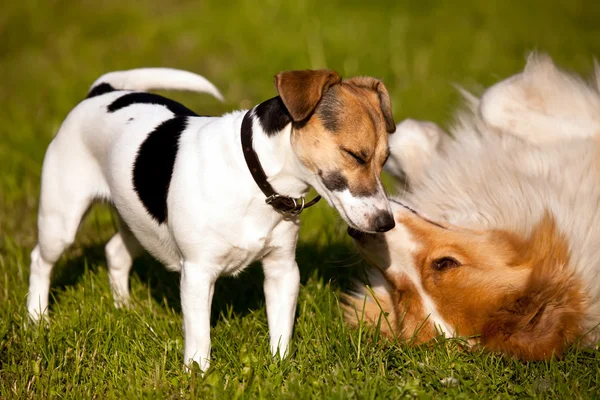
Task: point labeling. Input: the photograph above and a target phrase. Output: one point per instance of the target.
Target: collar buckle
(284, 204)
(269, 200)
(287, 205)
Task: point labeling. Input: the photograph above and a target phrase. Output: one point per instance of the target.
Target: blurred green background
(50, 53)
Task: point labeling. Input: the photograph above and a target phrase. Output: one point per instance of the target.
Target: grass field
(51, 51)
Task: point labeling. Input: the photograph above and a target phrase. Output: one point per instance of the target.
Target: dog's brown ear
(539, 322)
(301, 91)
(385, 101)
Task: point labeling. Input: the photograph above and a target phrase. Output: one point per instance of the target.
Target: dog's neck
(272, 134)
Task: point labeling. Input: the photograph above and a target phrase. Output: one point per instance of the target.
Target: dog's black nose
(355, 233)
(384, 221)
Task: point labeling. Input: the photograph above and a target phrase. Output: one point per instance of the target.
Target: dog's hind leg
(543, 104)
(121, 250)
(69, 185)
(57, 225)
(411, 148)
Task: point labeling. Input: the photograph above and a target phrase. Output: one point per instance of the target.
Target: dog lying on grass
(498, 235)
(208, 196)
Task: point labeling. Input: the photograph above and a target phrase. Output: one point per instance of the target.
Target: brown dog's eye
(444, 263)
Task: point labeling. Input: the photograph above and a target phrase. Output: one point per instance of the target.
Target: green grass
(51, 51)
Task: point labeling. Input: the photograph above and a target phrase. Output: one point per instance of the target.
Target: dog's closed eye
(360, 158)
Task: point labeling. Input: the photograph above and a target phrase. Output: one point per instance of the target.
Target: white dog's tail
(143, 79)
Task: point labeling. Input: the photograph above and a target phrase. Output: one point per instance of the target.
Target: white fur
(218, 221)
(143, 79)
(542, 104)
(410, 150)
(530, 145)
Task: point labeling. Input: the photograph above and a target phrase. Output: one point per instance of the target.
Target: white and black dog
(191, 190)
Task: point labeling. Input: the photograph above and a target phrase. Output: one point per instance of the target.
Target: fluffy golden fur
(498, 236)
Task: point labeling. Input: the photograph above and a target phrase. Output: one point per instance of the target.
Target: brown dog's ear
(384, 98)
(538, 323)
(301, 91)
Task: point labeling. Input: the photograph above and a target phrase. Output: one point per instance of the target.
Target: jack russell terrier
(207, 196)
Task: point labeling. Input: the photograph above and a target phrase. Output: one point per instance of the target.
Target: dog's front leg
(282, 281)
(197, 288)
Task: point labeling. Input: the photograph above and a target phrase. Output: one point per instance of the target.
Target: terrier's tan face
(343, 141)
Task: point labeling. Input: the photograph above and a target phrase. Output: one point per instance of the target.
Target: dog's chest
(249, 243)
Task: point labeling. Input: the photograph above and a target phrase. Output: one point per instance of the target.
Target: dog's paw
(411, 147)
(121, 302)
(35, 319)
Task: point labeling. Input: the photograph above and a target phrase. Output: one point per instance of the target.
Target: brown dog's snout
(384, 221)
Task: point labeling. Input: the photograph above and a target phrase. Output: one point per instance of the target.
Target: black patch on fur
(272, 115)
(334, 181)
(150, 98)
(328, 110)
(154, 166)
(100, 89)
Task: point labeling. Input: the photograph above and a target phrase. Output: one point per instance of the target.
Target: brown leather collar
(285, 204)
